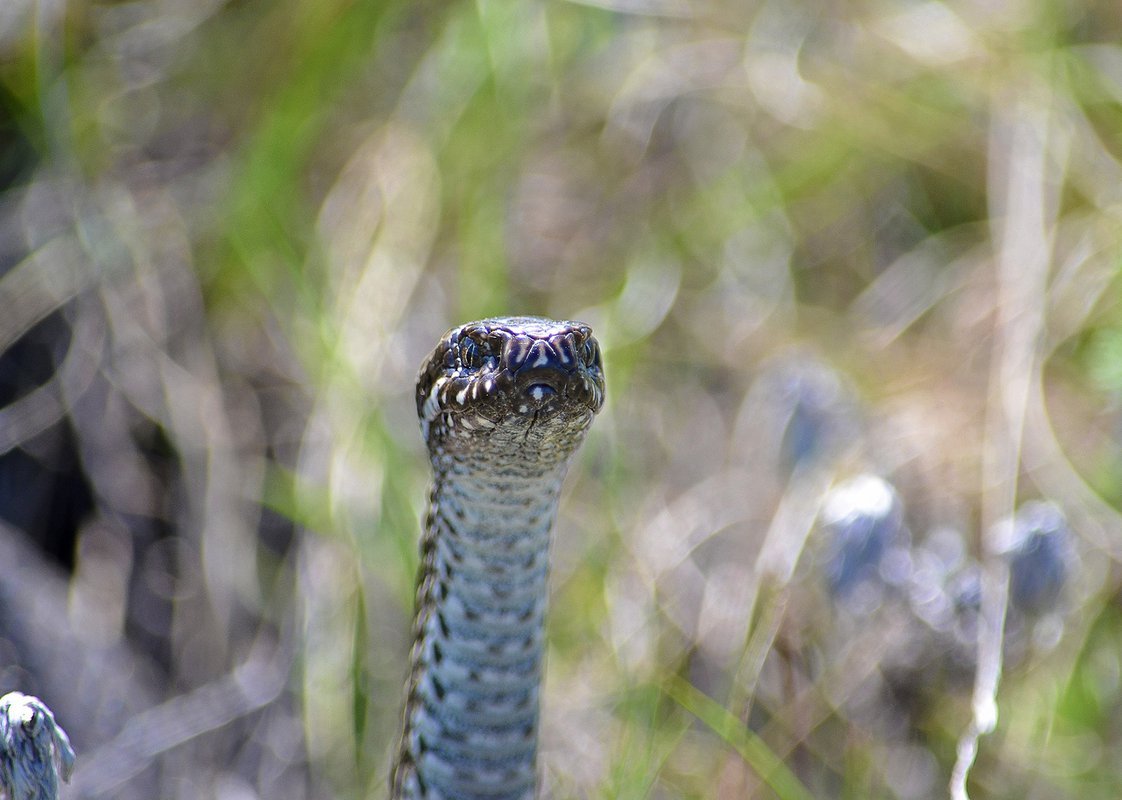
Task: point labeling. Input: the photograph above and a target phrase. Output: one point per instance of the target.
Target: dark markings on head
(511, 370)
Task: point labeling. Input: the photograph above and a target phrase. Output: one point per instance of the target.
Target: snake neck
(471, 716)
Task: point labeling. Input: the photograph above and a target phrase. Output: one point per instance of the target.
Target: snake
(504, 403)
(35, 753)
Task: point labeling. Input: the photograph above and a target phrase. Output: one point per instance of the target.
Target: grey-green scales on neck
(504, 403)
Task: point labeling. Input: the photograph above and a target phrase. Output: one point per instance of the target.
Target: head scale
(508, 379)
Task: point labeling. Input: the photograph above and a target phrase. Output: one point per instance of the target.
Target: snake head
(34, 751)
(497, 377)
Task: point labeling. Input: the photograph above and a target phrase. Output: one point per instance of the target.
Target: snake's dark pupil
(471, 354)
(590, 353)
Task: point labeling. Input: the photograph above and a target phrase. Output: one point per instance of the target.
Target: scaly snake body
(504, 403)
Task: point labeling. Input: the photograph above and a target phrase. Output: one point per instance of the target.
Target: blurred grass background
(814, 239)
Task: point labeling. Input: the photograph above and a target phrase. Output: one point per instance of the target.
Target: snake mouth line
(530, 427)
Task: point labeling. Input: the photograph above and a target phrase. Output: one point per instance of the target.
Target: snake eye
(590, 353)
(471, 354)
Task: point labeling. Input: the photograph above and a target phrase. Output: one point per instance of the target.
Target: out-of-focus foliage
(815, 240)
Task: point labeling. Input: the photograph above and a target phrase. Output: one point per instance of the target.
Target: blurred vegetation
(815, 240)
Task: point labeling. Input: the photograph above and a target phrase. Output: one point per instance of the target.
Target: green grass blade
(756, 754)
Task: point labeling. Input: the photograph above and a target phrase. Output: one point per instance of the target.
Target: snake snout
(540, 392)
(543, 371)
(541, 384)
